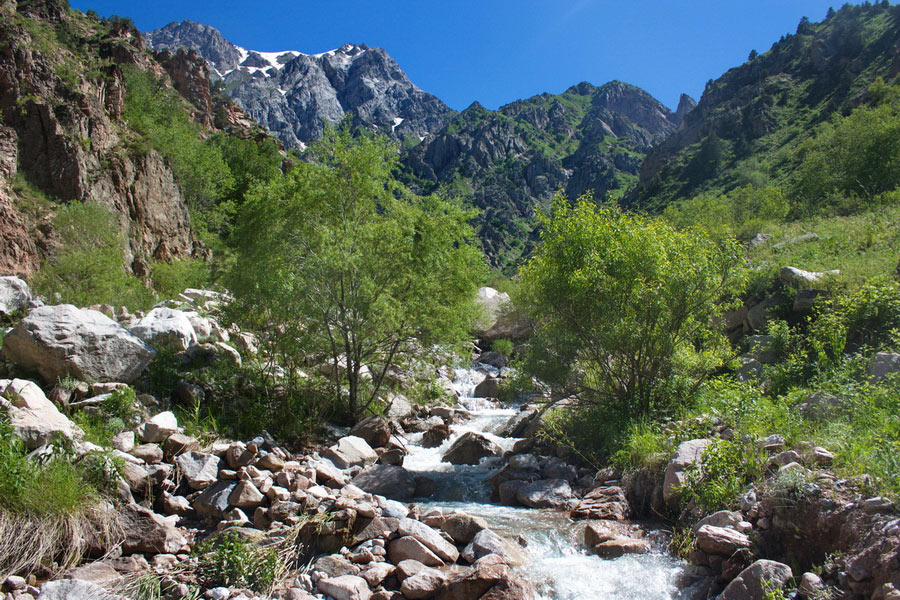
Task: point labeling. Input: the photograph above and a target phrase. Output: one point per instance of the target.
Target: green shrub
(725, 469)
(170, 279)
(503, 346)
(89, 267)
(227, 560)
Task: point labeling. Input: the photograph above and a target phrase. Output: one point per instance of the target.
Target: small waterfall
(558, 565)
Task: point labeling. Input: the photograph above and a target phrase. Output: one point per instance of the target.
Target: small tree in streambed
(336, 260)
(625, 305)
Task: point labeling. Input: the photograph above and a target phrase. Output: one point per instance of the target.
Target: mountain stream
(556, 561)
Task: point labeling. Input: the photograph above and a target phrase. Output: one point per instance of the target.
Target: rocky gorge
(463, 499)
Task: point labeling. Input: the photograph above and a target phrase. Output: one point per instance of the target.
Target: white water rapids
(557, 564)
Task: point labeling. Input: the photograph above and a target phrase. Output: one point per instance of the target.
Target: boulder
(410, 548)
(149, 453)
(199, 469)
(430, 538)
(437, 435)
(212, 503)
(621, 546)
(158, 428)
(345, 587)
(722, 518)
(14, 295)
(804, 279)
(374, 430)
(245, 495)
(470, 448)
(474, 583)
(146, 531)
(387, 480)
(178, 443)
(424, 584)
(755, 581)
(60, 341)
(483, 543)
(462, 528)
(883, 364)
(166, 328)
(604, 502)
(687, 453)
(398, 407)
(32, 416)
(350, 451)
(488, 388)
(517, 424)
(545, 493)
(597, 532)
(74, 589)
(722, 541)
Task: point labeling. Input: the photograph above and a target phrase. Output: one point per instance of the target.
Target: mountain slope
(511, 161)
(749, 121)
(293, 94)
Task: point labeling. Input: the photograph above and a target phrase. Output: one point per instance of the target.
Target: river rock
(431, 538)
(470, 448)
(74, 589)
(488, 388)
(545, 493)
(387, 480)
(146, 531)
(350, 451)
(345, 587)
(462, 528)
(475, 582)
(804, 279)
(199, 469)
(166, 328)
(752, 583)
(517, 424)
(604, 502)
(596, 532)
(32, 416)
(14, 295)
(721, 541)
(398, 407)
(424, 584)
(621, 546)
(688, 453)
(435, 436)
(60, 341)
(375, 430)
(408, 547)
(483, 543)
(722, 518)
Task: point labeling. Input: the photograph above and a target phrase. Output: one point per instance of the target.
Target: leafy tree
(855, 156)
(340, 262)
(741, 212)
(625, 304)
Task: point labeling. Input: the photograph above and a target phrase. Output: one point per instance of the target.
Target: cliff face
(587, 140)
(62, 98)
(748, 120)
(294, 95)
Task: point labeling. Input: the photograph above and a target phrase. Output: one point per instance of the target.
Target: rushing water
(555, 560)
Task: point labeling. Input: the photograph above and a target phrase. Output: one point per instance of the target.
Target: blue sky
(497, 51)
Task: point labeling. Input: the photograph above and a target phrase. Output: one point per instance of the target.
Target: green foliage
(50, 489)
(643, 445)
(170, 279)
(228, 560)
(853, 160)
(663, 286)
(160, 114)
(725, 469)
(503, 346)
(89, 267)
(743, 212)
(115, 414)
(337, 262)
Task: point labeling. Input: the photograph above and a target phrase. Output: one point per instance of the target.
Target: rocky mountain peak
(685, 105)
(293, 93)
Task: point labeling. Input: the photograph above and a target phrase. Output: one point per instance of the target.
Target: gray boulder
(33, 417)
(884, 364)
(545, 493)
(470, 448)
(60, 341)
(74, 589)
(199, 469)
(14, 295)
(166, 328)
(753, 582)
(146, 531)
(388, 481)
(688, 453)
(350, 451)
